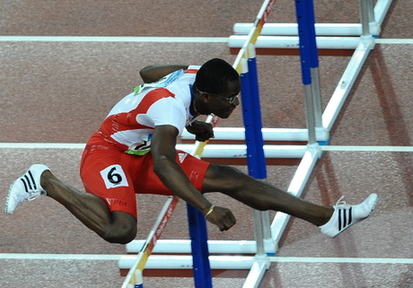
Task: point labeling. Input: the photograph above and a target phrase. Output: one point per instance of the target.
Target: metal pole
(309, 65)
(199, 248)
(254, 140)
(367, 16)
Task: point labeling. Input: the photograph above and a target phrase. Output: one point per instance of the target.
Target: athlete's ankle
(45, 180)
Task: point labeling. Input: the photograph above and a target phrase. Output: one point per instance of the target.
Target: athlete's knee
(122, 230)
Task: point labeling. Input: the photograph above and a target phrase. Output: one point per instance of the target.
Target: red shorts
(116, 177)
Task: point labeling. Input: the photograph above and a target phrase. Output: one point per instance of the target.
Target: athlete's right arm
(153, 73)
(165, 166)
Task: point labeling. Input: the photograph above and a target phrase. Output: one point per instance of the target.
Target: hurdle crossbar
(322, 29)
(329, 35)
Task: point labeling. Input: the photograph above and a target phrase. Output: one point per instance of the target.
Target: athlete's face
(223, 104)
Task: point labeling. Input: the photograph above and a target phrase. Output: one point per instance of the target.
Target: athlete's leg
(261, 195)
(114, 227)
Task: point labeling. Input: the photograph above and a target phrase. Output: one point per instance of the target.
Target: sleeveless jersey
(131, 122)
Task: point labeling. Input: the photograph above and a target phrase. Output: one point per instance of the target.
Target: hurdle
(329, 35)
(317, 131)
(198, 234)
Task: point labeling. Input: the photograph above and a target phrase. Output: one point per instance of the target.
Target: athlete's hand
(202, 130)
(222, 217)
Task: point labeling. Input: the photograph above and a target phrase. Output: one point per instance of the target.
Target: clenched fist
(222, 217)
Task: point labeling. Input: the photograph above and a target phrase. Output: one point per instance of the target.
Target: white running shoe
(26, 188)
(345, 215)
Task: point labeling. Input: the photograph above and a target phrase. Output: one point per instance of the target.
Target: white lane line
(367, 148)
(394, 41)
(113, 39)
(42, 145)
(333, 148)
(157, 39)
(341, 260)
(103, 257)
(28, 256)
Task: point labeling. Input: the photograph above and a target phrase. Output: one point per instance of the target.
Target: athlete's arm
(171, 174)
(153, 73)
(165, 166)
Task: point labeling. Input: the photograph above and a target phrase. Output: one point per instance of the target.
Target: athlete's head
(215, 75)
(219, 84)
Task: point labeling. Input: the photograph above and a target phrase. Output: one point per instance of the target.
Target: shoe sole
(6, 205)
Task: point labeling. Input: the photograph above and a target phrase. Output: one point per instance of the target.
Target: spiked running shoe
(345, 215)
(26, 188)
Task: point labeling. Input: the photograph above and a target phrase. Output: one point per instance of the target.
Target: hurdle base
(188, 273)
(181, 265)
(185, 262)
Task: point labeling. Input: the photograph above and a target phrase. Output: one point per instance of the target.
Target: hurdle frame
(309, 154)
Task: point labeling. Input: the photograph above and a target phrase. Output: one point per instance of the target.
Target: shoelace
(32, 196)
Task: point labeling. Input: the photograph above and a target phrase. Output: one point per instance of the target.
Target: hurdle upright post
(257, 167)
(366, 17)
(199, 246)
(255, 159)
(309, 66)
(198, 231)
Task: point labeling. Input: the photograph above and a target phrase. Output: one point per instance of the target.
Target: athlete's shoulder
(192, 69)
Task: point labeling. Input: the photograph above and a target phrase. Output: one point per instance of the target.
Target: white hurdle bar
(185, 262)
(211, 150)
(291, 42)
(291, 29)
(269, 134)
(180, 246)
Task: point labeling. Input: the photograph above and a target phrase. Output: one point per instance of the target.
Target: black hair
(214, 75)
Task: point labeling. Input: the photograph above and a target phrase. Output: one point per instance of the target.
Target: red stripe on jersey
(191, 71)
(151, 98)
(127, 120)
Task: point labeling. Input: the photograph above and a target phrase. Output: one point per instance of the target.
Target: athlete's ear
(204, 96)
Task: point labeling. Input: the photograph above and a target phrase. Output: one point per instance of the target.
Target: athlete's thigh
(105, 173)
(149, 183)
(223, 178)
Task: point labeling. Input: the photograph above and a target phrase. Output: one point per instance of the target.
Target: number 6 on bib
(114, 177)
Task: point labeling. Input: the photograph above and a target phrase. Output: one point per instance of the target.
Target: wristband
(209, 210)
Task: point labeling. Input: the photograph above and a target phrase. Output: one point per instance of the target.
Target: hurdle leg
(199, 247)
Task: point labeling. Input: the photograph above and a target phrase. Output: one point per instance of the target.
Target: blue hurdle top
(307, 38)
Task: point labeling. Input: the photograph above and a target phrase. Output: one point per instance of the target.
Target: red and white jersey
(131, 122)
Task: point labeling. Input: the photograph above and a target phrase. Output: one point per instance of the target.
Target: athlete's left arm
(153, 73)
(171, 174)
